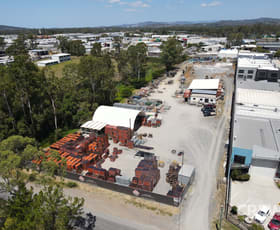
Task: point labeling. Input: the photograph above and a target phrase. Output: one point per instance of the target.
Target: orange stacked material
(102, 144)
(152, 121)
(147, 174)
(119, 134)
(114, 172)
(98, 172)
(73, 163)
(64, 140)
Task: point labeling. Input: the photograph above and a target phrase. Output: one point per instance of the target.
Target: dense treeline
(253, 30)
(75, 48)
(47, 209)
(35, 102)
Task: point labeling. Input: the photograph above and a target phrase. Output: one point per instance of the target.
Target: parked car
(274, 223)
(262, 214)
(276, 216)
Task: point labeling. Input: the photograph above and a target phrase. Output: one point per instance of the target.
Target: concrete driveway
(259, 191)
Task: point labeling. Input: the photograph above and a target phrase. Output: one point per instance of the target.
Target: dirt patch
(158, 208)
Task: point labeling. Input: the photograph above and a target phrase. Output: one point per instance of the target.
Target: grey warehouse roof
(250, 131)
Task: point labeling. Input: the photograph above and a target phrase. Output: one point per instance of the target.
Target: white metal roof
(258, 97)
(46, 61)
(95, 125)
(256, 62)
(116, 116)
(60, 55)
(186, 170)
(205, 84)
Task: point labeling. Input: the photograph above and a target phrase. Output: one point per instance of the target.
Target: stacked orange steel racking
(147, 175)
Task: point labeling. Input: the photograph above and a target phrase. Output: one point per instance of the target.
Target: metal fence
(128, 190)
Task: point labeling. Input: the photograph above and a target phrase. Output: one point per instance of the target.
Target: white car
(262, 214)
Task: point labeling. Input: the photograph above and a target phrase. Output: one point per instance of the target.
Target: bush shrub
(32, 177)
(238, 175)
(244, 177)
(234, 210)
(71, 184)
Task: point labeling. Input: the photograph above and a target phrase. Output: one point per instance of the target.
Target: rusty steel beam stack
(121, 135)
(147, 175)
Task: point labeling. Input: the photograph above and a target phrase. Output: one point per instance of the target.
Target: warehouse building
(228, 53)
(114, 116)
(38, 54)
(62, 57)
(256, 131)
(204, 91)
(45, 63)
(257, 67)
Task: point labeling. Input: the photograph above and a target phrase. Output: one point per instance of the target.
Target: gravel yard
(184, 129)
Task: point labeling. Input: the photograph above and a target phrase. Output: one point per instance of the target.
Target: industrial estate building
(256, 121)
(55, 59)
(257, 67)
(62, 57)
(203, 91)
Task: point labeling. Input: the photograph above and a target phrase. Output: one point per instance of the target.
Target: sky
(82, 13)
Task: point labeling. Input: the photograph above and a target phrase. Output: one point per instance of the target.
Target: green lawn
(58, 69)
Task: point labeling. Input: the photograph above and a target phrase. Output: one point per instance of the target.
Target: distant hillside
(273, 21)
(150, 24)
(270, 21)
(161, 24)
(6, 28)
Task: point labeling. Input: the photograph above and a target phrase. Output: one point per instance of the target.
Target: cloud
(114, 1)
(211, 4)
(132, 5)
(139, 4)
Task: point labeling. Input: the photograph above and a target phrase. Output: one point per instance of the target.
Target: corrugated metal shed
(204, 84)
(94, 125)
(116, 116)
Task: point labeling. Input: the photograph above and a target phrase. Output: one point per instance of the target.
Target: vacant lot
(58, 69)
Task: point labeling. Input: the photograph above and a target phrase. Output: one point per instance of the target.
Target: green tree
(18, 47)
(76, 48)
(137, 58)
(277, 54)
(2, 43)
(96, 50)
(16, 152)
(63, 44)
(47, 210)
(171, 53)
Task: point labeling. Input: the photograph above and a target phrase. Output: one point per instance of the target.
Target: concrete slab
(259, 191)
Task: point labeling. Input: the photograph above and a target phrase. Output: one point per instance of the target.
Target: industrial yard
(193, 140)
